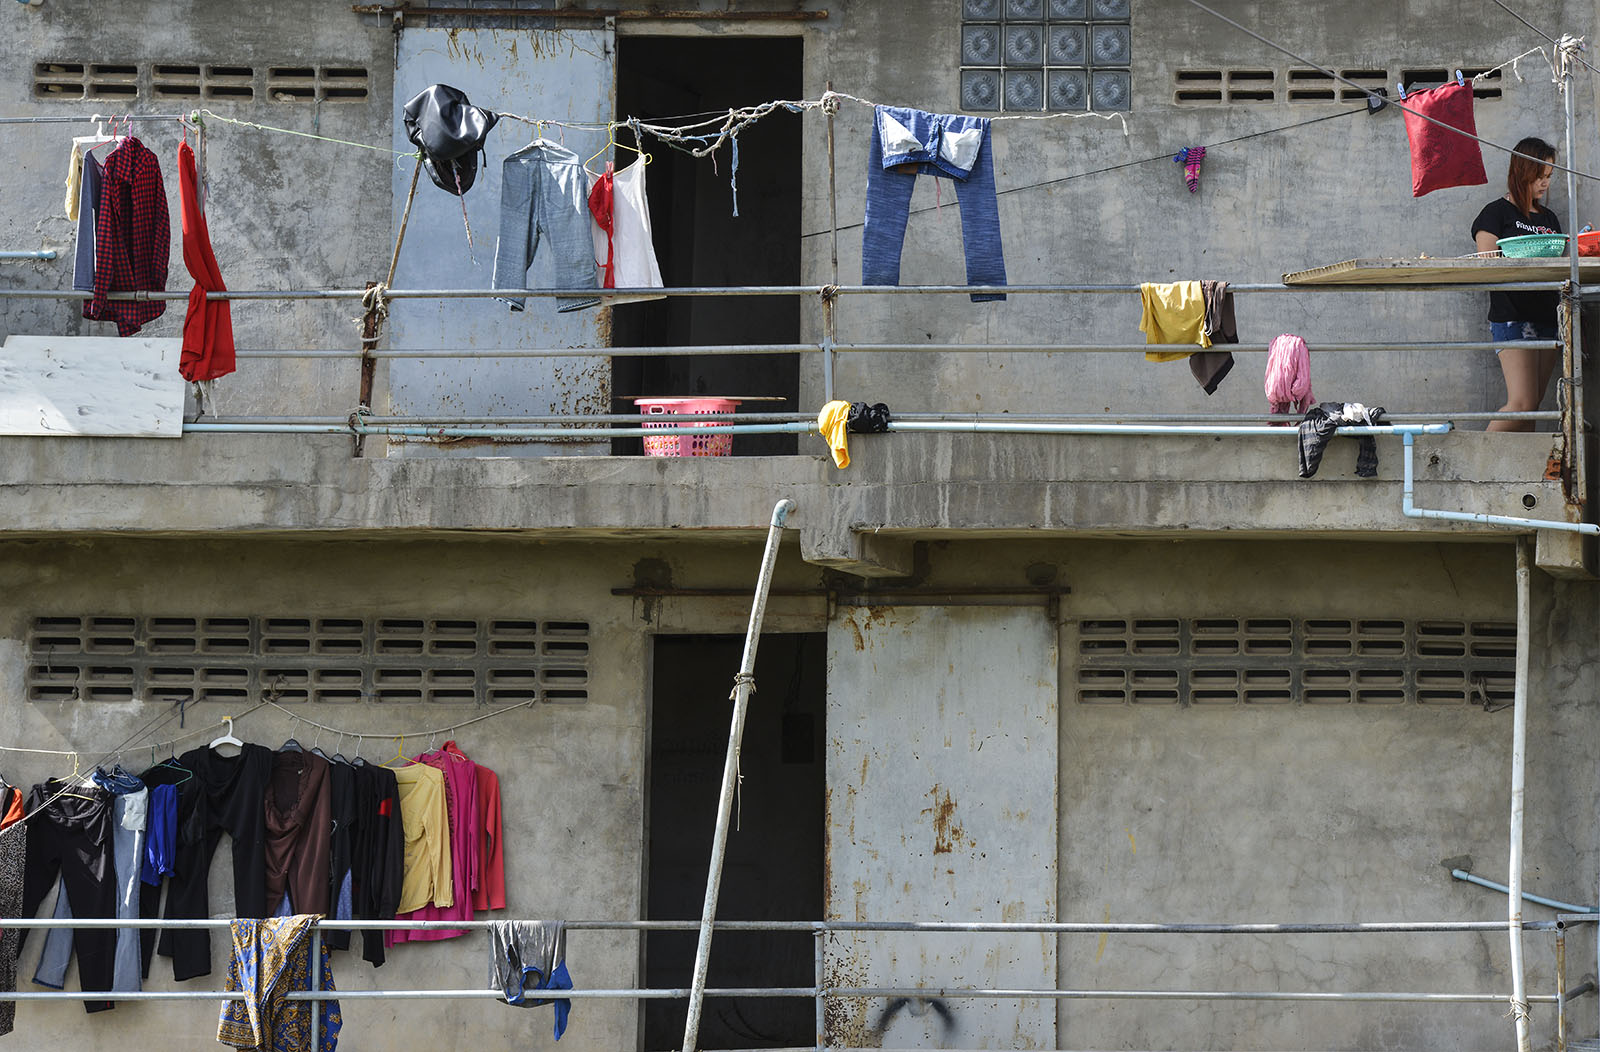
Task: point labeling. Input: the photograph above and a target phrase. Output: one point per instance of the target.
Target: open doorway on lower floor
(774, 863)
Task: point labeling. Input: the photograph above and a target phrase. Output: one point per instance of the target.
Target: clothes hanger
(226, 738)
(76, 782)
(399, 754)
(291, 744)
(612, 143)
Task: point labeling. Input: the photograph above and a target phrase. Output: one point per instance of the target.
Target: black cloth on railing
(1319, 425)
(867, 419)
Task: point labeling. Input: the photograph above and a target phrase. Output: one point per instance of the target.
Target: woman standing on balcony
(1520, 316)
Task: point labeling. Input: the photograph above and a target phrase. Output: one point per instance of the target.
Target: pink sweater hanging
(1288, 383)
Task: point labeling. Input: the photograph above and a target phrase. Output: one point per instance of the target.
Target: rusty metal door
(942, 781)
(553, 74)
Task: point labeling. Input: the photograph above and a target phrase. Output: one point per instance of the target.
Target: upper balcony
(445, 411)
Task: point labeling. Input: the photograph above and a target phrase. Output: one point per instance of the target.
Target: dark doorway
(773, 866)
(700, 242)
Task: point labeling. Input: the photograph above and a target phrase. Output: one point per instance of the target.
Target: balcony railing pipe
(935, 927)
(802, 427)
(779, 418)
(1409, 509)
(840, 348)
(542, 352)
(1172, 995)
(761, 290)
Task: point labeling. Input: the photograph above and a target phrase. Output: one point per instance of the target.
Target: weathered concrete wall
(284, 211)
(1293, 813)
(572, 775)
(1284, 201)
(1286, 814)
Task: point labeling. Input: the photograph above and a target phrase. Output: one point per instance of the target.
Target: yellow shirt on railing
(1173, 313)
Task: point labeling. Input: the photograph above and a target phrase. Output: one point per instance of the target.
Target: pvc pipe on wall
(1555, 904)
(1413, 512)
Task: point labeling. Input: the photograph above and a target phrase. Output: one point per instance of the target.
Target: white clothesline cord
(431, 732)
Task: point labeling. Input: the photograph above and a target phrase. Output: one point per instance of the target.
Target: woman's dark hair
(1523, 173)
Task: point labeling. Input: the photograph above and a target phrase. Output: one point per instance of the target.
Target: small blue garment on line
(161, 835)
(536, 950)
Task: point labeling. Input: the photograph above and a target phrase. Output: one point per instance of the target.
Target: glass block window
(1021, 56)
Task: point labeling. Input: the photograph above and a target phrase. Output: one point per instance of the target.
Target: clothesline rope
(1566, 42)
(431, 732)
(1542, 33)
(174, 711)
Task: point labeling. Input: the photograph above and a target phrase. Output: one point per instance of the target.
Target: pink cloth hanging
(1288, 383)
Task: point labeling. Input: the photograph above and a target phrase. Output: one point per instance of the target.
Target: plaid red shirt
(132, 238)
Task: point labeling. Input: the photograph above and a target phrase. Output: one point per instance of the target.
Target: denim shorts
(1515, 331)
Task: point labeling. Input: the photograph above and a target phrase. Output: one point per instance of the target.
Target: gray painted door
(565, 75)
(942, 778)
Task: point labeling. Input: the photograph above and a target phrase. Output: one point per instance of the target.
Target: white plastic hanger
(227, 738)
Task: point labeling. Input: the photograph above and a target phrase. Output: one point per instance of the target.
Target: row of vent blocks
(322, 636)
(1325, 661)
(1277, 686)
(77, 80)
(1202, 86)
(397, 686)
(1317, 638)
(395, 660)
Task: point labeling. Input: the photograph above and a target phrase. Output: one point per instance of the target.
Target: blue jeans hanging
(939, 145)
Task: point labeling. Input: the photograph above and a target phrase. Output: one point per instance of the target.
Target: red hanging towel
(208, 326)
(1439, 157)
(600, 197)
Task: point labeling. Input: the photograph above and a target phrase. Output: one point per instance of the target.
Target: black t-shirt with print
(1502, 219)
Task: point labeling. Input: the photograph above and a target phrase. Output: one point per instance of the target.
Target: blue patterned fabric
(271, 958)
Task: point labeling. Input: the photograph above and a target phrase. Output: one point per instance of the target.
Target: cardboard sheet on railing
(1448, 271)
(91, 385)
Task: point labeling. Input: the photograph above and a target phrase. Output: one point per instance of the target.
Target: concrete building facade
(1021, 678)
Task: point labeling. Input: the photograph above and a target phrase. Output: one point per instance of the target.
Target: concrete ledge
(898, 489)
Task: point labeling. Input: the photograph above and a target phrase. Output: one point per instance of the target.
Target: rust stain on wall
(855, 630)
(945, 831)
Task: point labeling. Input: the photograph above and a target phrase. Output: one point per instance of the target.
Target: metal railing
(821, 991)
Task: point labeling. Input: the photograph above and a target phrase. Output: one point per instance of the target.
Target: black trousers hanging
(226, 795)
(70, 837)
(342, 808)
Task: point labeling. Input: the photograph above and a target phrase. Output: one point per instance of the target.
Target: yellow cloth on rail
(74, 179)
(1173, 313)
(831, 422)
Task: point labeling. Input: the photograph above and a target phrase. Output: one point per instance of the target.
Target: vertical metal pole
(316, 986)
(827, 345)
(820, 972)
(827, 300)
(1519, 748)
(730, 772)
(1561, 988)
(833, 193)
(1573, 410)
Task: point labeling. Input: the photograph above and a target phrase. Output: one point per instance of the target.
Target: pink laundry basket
(713, 445)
